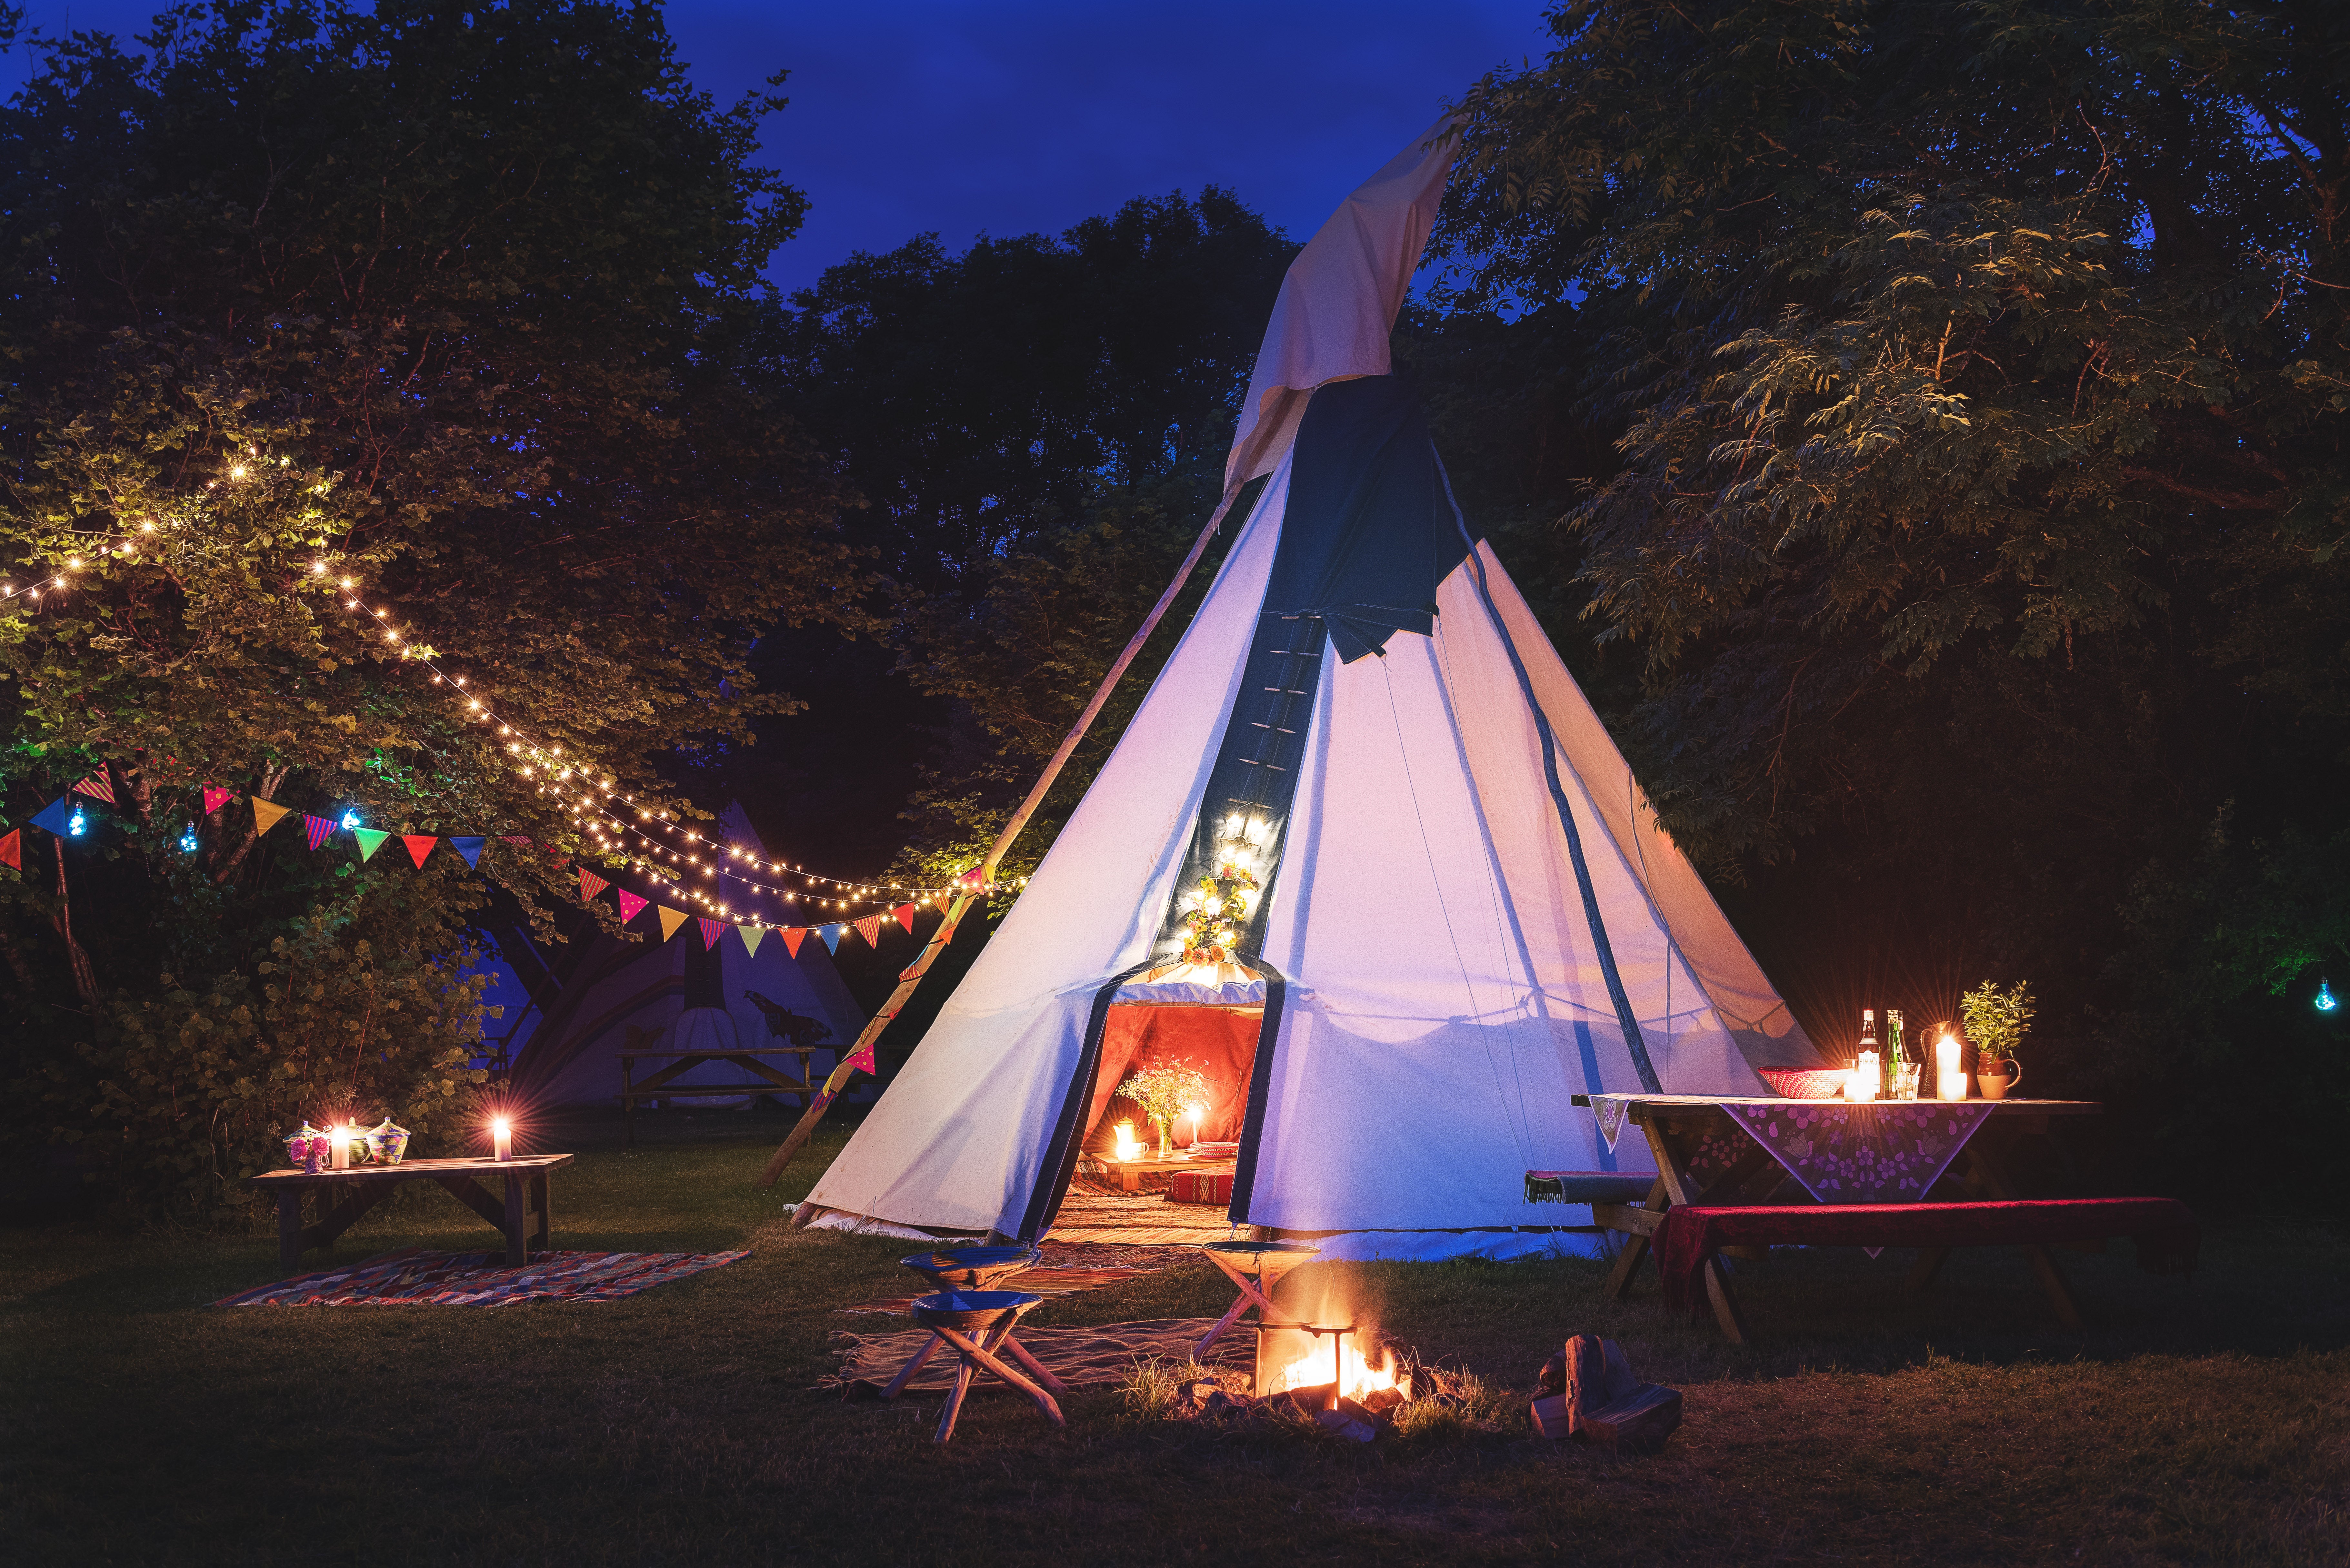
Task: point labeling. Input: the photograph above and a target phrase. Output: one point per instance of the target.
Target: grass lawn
(2200, 1423)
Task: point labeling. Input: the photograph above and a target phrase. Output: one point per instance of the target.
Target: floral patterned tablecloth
(1842, 1151)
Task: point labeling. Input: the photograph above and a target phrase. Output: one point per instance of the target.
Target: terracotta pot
(1995, 1085)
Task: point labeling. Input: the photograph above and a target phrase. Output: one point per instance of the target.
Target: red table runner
(2164, 1229)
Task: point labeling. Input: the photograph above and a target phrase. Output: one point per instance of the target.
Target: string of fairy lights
(595, 806)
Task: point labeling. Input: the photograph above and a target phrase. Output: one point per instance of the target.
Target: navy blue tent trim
(1630, 1024)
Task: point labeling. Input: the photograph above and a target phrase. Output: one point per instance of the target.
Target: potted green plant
(1995, 1022)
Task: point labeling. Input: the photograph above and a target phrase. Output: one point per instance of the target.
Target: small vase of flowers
(1165, 1091)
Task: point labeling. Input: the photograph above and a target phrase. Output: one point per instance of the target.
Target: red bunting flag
(792, 937)
(905, 913)
(216, 797)
(97, 787)
(12, 849)
(869, 928)
(710, 930)
(420, 846)
(970, 879)
(630, 905)
(590, 884)
(316, 828)
(861, 1060)
(515, 837)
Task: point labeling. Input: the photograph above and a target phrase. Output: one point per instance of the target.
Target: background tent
(571, 1053)
(1363, 697)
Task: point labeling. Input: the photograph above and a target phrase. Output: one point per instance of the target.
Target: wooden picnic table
(365, 1186)
(1674, 1124)
(662, 1086)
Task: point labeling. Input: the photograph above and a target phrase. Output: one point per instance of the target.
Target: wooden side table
(525, 1177)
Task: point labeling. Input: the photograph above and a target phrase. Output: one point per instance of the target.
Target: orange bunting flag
(12, 849)
(670, 920)
(905, 913)
(267, 813)
(751, 936)
(590, 884)
(792, 937)
(420, 846)
(869, 928)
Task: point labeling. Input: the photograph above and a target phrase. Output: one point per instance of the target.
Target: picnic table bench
(1756, 1187)
(663, 1085)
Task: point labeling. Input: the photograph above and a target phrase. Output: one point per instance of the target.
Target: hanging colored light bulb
(2325, 999)
(188, 841)
(74, 827)
(350, 821)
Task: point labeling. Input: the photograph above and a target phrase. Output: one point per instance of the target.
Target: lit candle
(500, 1138)
(1862, 1084)
(1197, 1112)
(340, 1153)
(1949, 1067)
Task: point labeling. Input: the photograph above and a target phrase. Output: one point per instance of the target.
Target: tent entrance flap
(1224, 1042)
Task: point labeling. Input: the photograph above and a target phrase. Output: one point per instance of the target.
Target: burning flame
(1358, 1379)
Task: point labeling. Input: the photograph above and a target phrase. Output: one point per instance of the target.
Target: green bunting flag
(371, 840)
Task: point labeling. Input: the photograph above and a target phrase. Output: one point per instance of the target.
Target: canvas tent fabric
(1433, 989)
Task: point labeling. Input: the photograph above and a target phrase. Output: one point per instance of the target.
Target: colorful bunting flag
(670, 920)
(56, 816)
(710, 930)
(12, 849)
(590, 884)
(471, 848)
(861, 1060)
(869, 928)
(216, 797)
(905, 913)
(970, 879)
(371, 840)
(316, 828)
(792, 937)
(515, 837)
(630, 905)
(751, 936)
(420, 846)
(831, 935)
(267, 813)
(99, 786)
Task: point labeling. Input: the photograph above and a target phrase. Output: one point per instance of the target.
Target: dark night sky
(1016, 116)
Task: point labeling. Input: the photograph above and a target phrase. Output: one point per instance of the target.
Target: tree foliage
(313, 313)
(1978, 376)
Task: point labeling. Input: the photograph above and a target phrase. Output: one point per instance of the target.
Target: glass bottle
(1896, 1059)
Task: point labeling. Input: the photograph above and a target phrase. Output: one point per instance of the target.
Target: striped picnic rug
(413, 1276)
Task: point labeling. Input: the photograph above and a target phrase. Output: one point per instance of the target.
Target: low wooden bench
(1687, 1236)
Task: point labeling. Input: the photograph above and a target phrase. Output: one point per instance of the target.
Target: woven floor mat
(413, 1276)
(1081, 1357)
(1067, 1269)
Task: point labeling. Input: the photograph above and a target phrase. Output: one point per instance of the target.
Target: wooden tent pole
(975, 882)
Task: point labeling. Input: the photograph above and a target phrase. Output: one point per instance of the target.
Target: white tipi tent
(1468, 913)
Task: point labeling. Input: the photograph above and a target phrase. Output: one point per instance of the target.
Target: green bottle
(1895, 1055)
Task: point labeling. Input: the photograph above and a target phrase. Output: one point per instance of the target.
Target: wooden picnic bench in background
(662, 1084)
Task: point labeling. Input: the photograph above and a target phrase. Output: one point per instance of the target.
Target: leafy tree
(1978, 390)
(972, 399)
(313, 314)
